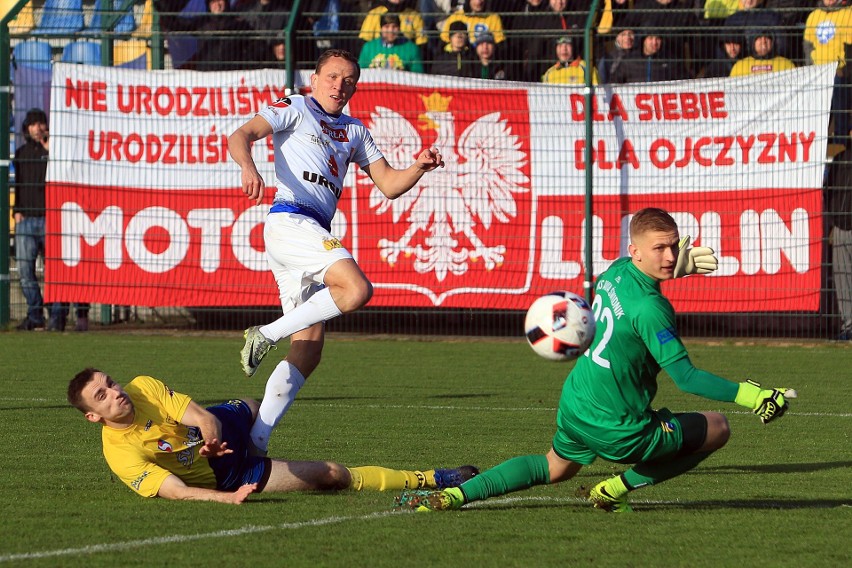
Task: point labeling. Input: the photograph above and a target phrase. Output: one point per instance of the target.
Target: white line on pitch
(178, 538)
(307, 400)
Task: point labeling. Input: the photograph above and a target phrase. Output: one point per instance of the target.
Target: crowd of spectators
(634, 40)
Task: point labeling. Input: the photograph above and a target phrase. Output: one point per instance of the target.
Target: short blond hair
(651, 219)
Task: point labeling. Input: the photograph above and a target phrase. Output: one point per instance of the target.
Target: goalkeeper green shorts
(662, 438)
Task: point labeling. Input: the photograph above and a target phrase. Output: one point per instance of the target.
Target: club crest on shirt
(331, 244)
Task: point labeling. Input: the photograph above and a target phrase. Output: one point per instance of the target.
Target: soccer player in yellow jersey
(161, 443)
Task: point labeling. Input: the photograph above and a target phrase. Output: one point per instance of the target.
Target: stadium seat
(125, 24)
(131, 54)
(61, 17)
(33, 53)
(24, 21)
(85, 52)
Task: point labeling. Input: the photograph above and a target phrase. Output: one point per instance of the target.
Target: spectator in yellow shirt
(762, 58)
(569, 67)
(410, 21)
(478, 19)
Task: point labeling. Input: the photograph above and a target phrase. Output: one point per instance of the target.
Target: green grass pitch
(776, 495)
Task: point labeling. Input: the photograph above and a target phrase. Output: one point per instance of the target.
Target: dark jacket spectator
(227, 42)
(752, 15)
(527, 41)
(677, 23)
(731, 47)
(457, 58)
(487, 66)
(622, 46)
(649, 61)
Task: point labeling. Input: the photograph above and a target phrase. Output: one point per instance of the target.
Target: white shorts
(299, 252)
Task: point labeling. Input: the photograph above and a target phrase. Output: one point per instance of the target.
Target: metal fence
(690, 41)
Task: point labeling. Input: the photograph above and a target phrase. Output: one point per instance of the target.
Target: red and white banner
(145, 207)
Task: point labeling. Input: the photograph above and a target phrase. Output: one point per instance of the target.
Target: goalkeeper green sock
(652, 473)
(512, 475)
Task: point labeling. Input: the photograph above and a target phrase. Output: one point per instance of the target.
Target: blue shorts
(238, 468)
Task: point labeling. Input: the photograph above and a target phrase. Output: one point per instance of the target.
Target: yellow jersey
(156, 445)
(829, 32)
(571, 74)
(410, 24)
(752, 66)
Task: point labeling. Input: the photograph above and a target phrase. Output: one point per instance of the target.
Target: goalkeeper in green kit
(605, 409)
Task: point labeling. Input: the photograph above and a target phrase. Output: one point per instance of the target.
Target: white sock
(319, 307)
(281, 390)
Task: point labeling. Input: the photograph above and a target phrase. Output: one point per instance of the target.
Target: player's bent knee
(253, 405)
(718, 431)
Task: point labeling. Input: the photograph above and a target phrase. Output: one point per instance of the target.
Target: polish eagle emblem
(446, 209)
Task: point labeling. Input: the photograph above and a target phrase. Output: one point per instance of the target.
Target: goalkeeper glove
(695, 260)
(767, 404)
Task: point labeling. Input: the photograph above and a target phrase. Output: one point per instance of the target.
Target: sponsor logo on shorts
(666, 335)
(136, 483)
(331, 244)
(164, 446)
(148, 425)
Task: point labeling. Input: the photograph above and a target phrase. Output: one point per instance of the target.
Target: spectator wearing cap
(622, 47)
(487, 66)
(478, 18)
(457, 58)
(391, 50)
(569, 68)
(410, 21)
(762, 57)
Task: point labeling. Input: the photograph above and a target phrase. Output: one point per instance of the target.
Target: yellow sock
(383, 479)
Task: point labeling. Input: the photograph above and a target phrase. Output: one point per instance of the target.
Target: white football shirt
(313, 150)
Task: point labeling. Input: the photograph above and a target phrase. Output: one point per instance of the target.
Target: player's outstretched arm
(768, 404)
(173, 487)
(393, 182)
(239, 146)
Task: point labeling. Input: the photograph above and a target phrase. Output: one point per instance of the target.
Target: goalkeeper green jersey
(606, 400)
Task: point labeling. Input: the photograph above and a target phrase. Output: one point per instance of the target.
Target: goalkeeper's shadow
(773, 468)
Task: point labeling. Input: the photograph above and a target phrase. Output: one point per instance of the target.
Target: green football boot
(430, 500)
(602, 496)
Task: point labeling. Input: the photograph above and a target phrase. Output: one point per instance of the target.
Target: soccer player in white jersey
(317, 278)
